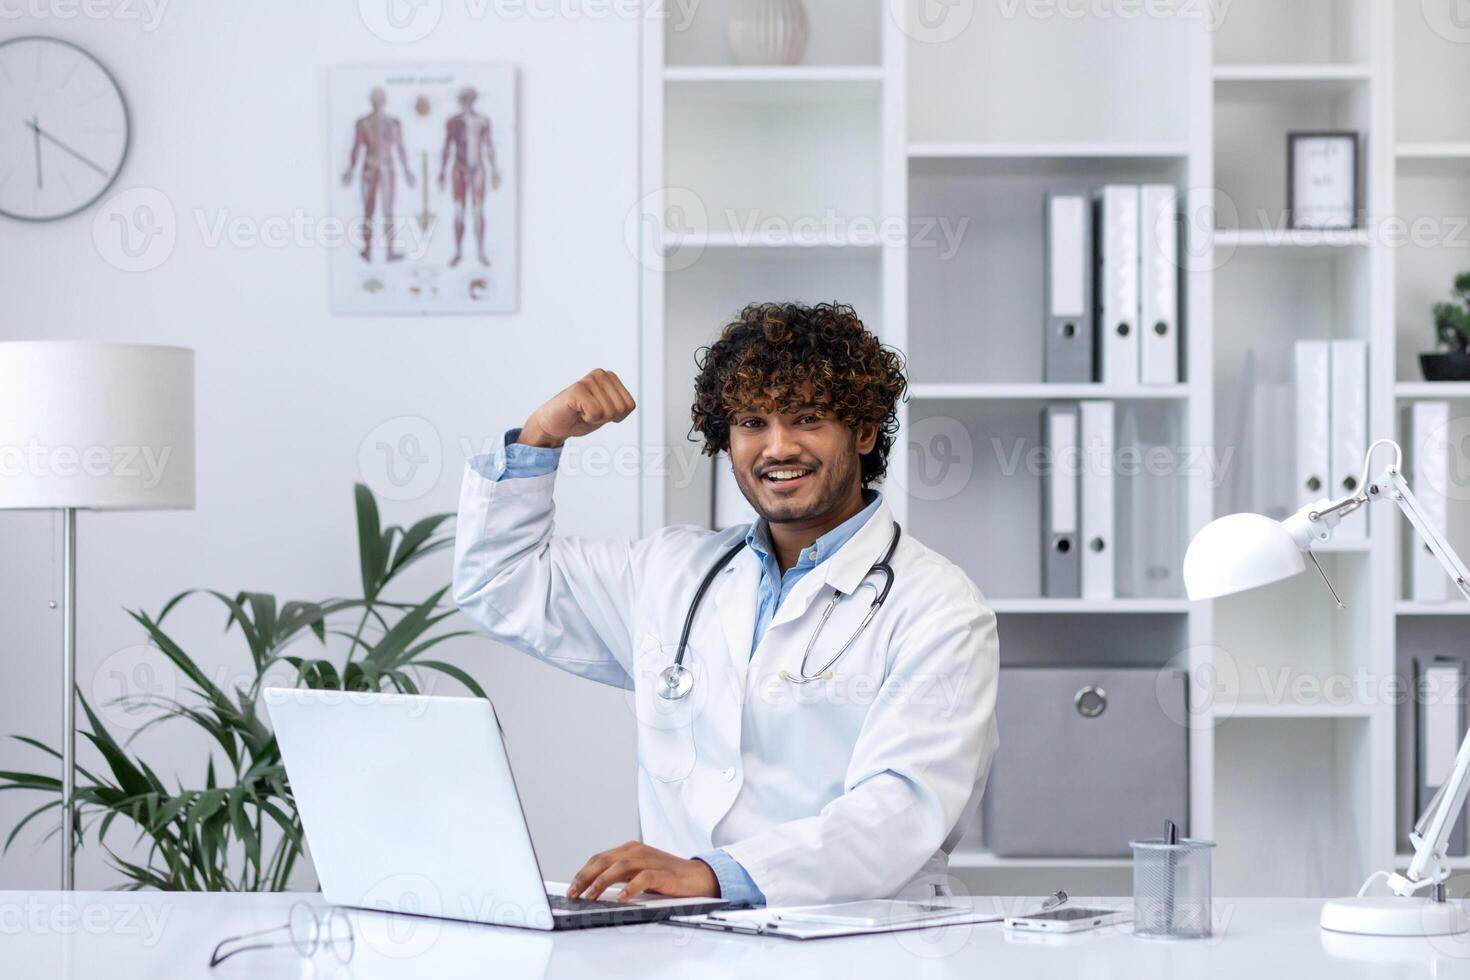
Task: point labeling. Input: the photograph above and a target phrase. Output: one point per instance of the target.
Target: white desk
(122, 935)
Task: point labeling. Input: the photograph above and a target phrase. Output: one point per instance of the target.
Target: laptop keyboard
(560, 903)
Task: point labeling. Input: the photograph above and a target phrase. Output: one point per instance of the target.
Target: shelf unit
(1205, 106)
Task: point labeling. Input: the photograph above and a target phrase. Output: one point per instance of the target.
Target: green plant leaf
(371, 557)
(456, 673)
(50, 805)
(389, 650)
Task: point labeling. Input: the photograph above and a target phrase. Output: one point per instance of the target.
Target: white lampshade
(96, 426)
(1239, 552)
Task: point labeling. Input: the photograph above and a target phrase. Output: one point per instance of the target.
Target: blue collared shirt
(514, 460)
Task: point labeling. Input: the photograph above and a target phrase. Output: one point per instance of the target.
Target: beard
(831, 486)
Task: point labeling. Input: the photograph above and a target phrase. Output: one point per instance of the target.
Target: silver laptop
(409, 805)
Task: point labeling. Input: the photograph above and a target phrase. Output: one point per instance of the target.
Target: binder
(1158, 298)
(1348, 427)
(1068, 351)
(1430, 456)
(1313, 373)
(1116, 231)
(729, 505)
(1439, 682)
(1099, 544)
(1061, 567)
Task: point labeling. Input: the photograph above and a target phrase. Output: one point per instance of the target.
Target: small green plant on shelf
(1451, 359)
(240, 831)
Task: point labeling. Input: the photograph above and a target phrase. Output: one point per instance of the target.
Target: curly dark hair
(782, 345)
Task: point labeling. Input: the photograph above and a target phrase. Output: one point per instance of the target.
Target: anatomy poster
(422, 168)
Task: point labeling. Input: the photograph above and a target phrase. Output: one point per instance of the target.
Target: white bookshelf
(1080, 102)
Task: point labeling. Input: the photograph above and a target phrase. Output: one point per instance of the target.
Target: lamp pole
(69, 696)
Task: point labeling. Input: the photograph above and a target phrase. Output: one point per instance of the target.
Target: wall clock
(63, 129)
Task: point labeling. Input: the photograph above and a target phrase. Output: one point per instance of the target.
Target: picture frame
(422, 184)
(1323, 180)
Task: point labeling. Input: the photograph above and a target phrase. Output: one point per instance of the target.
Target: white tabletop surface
(122, 935)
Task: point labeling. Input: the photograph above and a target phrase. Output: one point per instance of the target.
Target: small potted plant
(1451, 359)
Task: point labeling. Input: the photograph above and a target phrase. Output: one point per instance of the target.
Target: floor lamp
(91, 426)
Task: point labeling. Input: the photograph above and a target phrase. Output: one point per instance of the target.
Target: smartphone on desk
(868, 914)
(1067, 919)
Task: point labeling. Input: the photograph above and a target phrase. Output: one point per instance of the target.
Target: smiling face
(797, 463)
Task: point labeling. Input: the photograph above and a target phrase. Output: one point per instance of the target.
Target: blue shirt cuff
(736, 885)
(514, 460)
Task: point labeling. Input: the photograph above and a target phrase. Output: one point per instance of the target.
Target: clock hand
(41, 133)
(36, 132)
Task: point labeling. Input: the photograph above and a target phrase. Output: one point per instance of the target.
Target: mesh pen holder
(1171, 888)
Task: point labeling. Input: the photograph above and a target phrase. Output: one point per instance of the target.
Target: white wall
(228, 105)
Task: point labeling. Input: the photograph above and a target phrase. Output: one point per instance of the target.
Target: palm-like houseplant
(218, 837)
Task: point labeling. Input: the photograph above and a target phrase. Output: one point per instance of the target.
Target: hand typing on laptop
(640, 868)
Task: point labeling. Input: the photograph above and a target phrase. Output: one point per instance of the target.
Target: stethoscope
(676, 681)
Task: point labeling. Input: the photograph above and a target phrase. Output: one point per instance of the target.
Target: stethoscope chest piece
(675, 682)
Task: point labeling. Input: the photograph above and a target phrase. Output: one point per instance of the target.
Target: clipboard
(762, 922)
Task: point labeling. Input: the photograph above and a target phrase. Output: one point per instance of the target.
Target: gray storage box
(1089, 759)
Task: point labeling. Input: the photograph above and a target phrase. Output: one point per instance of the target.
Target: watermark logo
(409, 928)
(1450, 19)
(401, 21)
(939, 458)
(133, 686)
(402, 458)
(1449, 446)
(932, 21)
(662, 228)
(136, 229)
(1211, 687)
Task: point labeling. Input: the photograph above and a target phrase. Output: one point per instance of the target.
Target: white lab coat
(857, 786)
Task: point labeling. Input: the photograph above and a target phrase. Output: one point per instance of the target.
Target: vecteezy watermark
(411, 926)
(135, 230)
(133, 686)
(668, 229)
(940, 459)
(661, 229)
(400, 21)
(407, 21)
(148, 14)
(1450, 19)
(34, 459)
(1211, 463)
(932, 21)
(1449, 442)
(1212, 12)
(42, 915)
(1211, 687)
(300, 229)
(401, 458)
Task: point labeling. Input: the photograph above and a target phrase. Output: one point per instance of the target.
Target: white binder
(1158, 314)
(1061, 568)
(1313, 418)
(1348, 400)
(1099, 543)
(1430, 456)
(1116, 217)
(1068, 350)
(730, 506)
(1441, 706)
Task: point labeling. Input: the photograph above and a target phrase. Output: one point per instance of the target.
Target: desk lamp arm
(1314, 524)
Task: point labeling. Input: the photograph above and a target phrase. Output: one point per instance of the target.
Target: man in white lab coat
(776, 779)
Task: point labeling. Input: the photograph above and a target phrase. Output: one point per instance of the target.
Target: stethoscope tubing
(881, 566)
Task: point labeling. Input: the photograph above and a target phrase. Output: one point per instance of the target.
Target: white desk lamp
(94, 427)
(1242, 551)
